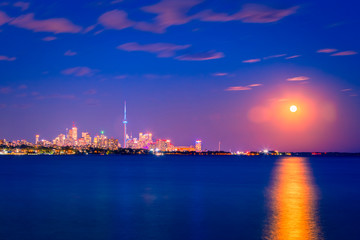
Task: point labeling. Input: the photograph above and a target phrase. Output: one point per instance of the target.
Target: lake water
(179, 197)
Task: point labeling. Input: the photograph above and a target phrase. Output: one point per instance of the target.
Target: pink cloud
(53, 25)
(175, 12)
(220, 74)
(92, 102)
(121, 77)
(6, 58)
(116, 1)
(79, 71)
(327, 50)
(345, 53)
(243, 88)
(49, 38)
(90, 92)
(255, 85)
(169, 13)
(252, 60)
(238, 88)
(23, 86)
(23, 5)
(70, 53)
(5, 90)
(56, 96)
(346, 90)
(4, 18)
(115, 19)
(161, 49)
(293, 56)
(256, 13)
(275, 56)
(300, 78)
(201, 56)
(250, 13)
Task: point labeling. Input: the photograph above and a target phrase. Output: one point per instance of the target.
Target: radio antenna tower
(125, 122)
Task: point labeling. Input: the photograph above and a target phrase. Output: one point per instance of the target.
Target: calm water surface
(182, 197)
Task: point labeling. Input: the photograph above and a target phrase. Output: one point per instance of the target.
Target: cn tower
(125, 122)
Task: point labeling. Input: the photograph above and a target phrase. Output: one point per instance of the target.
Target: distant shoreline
(34, 151)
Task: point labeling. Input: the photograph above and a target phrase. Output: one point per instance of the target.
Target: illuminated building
(37, 139)
(198, 145)
(96, 140)
(185, 149)
(113, 144)
(86, 137)
(144, 141)
(74, 133)
(59, 140)
(162, 145)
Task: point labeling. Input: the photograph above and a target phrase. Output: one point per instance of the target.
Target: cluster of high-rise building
(144, 141)
(71, 138)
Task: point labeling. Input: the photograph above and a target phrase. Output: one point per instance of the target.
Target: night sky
(215, 70)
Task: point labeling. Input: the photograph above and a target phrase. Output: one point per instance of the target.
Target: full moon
(293, 108)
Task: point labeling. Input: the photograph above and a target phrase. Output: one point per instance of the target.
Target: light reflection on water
(292, 202)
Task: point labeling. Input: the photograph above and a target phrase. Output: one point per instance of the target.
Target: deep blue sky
(187, 70)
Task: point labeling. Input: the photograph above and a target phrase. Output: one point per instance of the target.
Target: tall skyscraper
(37, 139)
(125, 122)
(198, 145)
(74, 133)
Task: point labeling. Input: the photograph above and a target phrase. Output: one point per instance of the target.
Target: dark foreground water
(185, 197)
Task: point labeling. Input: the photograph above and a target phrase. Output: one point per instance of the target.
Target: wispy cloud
(220, 74)
(210, 55)
(327, 50)
(160, 49)
(243, 88)
(6, 58)
(169, 13)
(255, 85)
(79, 71)
(90, 92)
(250, 13)
(115, 19)
(175, 12)
(344, 53)
(5, 90)
(120, 76)
(300, 78)
(275, 56)
(346, 90)
(23, 86)
(92, 102)
(293, 56)
(53, 25)
(56, 96)
(116, 1)
(23, 5)
(4, 18)
(238, 88)
(70, 53)
(49, 38)
(252, 60)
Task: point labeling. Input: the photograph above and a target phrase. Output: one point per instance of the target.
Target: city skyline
(219, 71)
